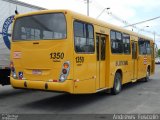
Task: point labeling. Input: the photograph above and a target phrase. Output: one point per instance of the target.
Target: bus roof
(87, 19)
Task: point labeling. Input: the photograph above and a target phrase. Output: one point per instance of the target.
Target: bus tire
(117, 84)
(146, 79)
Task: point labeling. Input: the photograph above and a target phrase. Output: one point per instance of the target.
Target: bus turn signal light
(66, 65)
(65, 71)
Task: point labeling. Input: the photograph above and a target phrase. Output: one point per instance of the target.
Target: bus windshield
(40, 27)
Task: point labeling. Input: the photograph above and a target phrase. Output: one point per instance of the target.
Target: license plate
(37, 72)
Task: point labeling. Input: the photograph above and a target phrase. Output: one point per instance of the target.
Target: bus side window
(83, 37)
(142, 47)
(126, 43)
(148, 47)
(116, 42)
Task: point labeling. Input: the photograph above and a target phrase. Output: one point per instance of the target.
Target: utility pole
(87, 7)
(87, 1)
(154, 36)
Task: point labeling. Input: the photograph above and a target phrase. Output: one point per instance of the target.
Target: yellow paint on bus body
(87, 74)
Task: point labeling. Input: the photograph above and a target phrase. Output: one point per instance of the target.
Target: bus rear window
(40, 27)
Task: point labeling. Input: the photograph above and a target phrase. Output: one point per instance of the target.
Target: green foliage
(159, 52)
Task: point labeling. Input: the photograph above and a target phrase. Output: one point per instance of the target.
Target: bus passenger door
(134, 59)
(152, 58)
(101, 63)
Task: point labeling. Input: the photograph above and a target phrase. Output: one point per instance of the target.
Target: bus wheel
(146, 79)
(117, 84)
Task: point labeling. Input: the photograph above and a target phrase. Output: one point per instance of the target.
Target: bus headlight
(64, 71)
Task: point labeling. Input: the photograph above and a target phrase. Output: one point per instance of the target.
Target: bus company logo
(121, 63)
(5, 28)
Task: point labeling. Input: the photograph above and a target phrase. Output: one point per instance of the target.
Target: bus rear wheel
(117, 84)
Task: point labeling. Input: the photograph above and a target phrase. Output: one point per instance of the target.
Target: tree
(159, 52)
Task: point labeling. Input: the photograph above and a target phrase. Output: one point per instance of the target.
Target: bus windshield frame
(47, 26)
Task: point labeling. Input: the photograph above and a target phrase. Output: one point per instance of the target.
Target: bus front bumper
(66, 86)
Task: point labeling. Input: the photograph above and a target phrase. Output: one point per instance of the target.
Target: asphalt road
(140, 97)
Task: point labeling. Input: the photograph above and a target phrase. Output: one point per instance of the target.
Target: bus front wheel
(117, 84)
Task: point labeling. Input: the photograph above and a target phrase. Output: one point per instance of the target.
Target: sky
(131, 11)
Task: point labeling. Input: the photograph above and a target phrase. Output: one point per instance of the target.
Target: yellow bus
(63, 51)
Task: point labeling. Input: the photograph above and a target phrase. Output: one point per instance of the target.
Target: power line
(126, 22)
(102, 12)
(142, 21)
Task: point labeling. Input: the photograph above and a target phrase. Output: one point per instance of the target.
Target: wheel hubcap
(118, 85)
